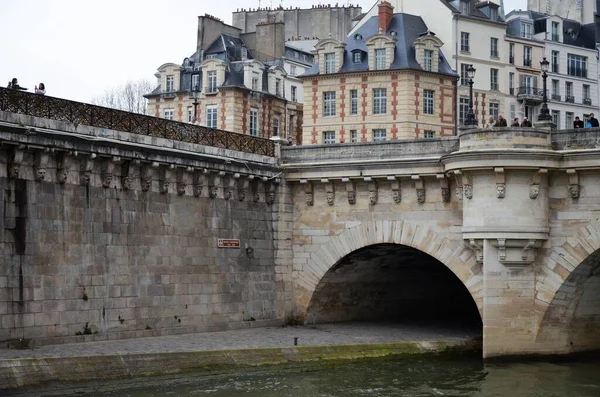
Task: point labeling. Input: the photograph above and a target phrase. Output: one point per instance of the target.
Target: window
(494, 79)
(190, 114)
(212, 81)
(255, 83)
(328, 137)
(511, 53)
(356, 57)
(555, 32)
(569, 92)
(428, 60)
(465, 7)
(353, 136)
(513, 111)
(494, 47)
(353, 101)
(555, 90)
(254, 122)
(330, 62)
(276, 126)
(569, 117)
(463, 109)
(464, 41)
(464, 78)
(211, 116)
(576, 65)
(168, 114)
(428, 101)
(294, 93)
(379, 58)
(528, 84)
(494, 108)
(195, 82)
(379, 135)
(329, 103)
(526, 56)
(526, 29)
(170, 84)
(556, 117)
(278, 87)
(555, 61)
(379, 101)
(429, 134)
(511, 84)
(494, 14)
(293, 71)
(587, 100)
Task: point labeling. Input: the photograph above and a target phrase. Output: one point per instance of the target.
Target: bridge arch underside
(393, 283)
(572, 320)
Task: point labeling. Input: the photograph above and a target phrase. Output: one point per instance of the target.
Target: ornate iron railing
(15, 101)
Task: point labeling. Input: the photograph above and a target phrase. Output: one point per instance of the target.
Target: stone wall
(106, 238)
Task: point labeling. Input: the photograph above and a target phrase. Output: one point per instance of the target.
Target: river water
(414, 377)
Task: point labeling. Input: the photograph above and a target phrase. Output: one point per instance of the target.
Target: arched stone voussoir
(448, 249)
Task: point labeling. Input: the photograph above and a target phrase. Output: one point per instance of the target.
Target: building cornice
(378, 73)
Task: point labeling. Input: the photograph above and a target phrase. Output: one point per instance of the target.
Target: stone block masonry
(100, 246)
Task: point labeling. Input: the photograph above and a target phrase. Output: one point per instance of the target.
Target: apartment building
(388, 80)
(246, 83)
(572, 81)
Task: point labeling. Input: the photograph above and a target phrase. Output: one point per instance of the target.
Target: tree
(128, 96)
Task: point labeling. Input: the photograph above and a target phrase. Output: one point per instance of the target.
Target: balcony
(570, 99)
(530, 94)
(556, 97)
(587, 101)
(527, 62)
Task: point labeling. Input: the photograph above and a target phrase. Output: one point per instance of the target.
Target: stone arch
(448, 248)
(560, 284)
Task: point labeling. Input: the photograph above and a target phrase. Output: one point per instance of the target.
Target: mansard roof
(404, 28)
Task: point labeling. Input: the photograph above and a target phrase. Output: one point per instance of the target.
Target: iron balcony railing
(587, 101)
(530, 93)
(556, 97)
(570, 98)
(15, 101)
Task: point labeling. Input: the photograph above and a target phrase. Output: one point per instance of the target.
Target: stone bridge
(108, 234)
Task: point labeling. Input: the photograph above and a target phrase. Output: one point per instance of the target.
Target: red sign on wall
(228, 243)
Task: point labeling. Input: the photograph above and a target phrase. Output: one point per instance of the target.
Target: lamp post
(544, 112)
(470, 119)
(195, 103)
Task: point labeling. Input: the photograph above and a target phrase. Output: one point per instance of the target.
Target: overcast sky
(78, 48)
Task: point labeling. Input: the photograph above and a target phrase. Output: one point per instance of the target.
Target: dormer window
(428, 60)
(170, 84)
(493, 14)
(526, 30)
(356, 57)
(330, 62)
(212, 81)
(379, 58)
(555, 30)
(465, 7)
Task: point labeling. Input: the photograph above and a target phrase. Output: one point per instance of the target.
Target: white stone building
(570, 48)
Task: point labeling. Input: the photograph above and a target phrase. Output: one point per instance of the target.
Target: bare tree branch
(128, 96)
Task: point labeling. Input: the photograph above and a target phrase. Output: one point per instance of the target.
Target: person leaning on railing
(41, 89)
(14, 85)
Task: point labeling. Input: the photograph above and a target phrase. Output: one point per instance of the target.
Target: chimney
(386, 13)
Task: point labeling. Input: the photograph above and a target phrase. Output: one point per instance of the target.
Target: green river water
(414, 377)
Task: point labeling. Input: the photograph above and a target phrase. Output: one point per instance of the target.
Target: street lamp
(470, 119)
(195, 91)
(544, 112)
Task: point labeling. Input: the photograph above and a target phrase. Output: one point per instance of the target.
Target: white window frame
(494, 85)
(190, 114)
(353, 102)
(379, 101)
(357, 57)
(330, 62)
(494, 109)
(576, 65)
(428, 60)
(211, 82)
(170, 83)
(380, 58)
(569, 119)
(254, 121)
(196, 86)
(329, 103)
(428, 134)
(429, 102)
(294, 92)
(527, 53)
(328, 137)
(464, 42)
(211, 116)
(494, 47)
(293, 71)
(275, 125)
(169, 114)
(353, 136)
(463, 108)
(379, 135)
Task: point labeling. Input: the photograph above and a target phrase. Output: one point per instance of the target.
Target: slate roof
(407, 28)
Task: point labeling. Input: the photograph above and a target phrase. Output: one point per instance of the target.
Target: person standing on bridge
(41, 89)
(526, 123)
(501, 122)
(515, 122)
(14, 85)
(592, 121)
(577, 123)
